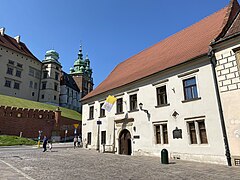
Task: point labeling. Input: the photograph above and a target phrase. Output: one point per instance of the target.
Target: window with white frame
(102, 111)
(133, 102)
(91, 112)
(190, 88)
(161, 95)
(161, 133)
(197, 132)
(119, 105)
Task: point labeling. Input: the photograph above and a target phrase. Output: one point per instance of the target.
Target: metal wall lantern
(144, 110)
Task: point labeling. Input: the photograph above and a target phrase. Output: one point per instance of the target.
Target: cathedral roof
(179, 48)
(68, 80)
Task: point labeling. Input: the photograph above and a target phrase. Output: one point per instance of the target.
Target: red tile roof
(181, 47)
(12, 44)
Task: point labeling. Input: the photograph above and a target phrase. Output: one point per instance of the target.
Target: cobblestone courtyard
(79, 163)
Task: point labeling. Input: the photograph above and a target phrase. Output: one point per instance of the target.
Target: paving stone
(68, 163)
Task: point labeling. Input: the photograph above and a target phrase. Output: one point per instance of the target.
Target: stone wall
(29, 122)
(227, 71)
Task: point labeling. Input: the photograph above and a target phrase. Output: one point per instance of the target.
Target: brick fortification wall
(29, 121)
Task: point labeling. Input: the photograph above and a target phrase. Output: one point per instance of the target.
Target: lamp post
(39, 138)
(98, 136)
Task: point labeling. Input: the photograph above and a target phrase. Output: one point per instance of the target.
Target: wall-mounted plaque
(177, 133)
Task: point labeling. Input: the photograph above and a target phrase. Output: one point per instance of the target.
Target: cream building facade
(181, 95)
(24, 76)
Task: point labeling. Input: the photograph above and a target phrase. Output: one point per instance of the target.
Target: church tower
(82, 74)
(50, 80)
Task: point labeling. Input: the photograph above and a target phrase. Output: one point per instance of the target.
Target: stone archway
(125, 143)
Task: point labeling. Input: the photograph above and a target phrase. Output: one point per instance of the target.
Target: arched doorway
(125, 144)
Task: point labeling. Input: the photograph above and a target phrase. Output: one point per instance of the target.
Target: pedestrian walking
(79, 141)
(75, 142)
(50, 145)
(45, 141)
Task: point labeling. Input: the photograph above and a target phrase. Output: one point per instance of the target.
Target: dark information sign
(177, 133)
(136, 137)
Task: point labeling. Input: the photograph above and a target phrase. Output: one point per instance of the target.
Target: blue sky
(110, 30)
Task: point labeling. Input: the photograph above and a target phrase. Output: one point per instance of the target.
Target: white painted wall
(207, 106)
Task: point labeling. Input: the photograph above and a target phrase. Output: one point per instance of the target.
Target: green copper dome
(81, 66)
(51, 56)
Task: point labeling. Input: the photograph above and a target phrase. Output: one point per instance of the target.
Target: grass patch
(23, 103)
(15, 140)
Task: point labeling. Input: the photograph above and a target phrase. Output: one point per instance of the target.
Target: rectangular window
(91, 109)
(18, 73)
(158, 134)
(190, 88)
(11, 62)
(192, 132)
(202, 132)
(10, 70)
(35, 85)
(19, 65)
(33, 93)
(161, 133)
(89, 136)
(30, 84)
(161, 96)
(120, 105)
(56, 86)
(103, 137)
(31, 71)
(165, 133)
(7, 83)
(44, 85)
(45, 74)
(102, 111)
(42, 96)
(37, 74)
(54, 97)
(16, 85)
(56, 75)
(133, 102)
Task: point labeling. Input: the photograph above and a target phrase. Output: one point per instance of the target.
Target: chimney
(2, 31)
(17, 39)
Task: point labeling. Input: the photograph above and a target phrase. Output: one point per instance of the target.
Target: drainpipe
(213, 64)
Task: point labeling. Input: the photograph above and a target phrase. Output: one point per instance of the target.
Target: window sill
(189, 100)
(119, 113)
(162, 105)
(101, 116)
(197, 145)
(90, 119)
(135, 110)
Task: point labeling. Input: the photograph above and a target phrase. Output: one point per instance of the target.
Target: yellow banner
(111, 99)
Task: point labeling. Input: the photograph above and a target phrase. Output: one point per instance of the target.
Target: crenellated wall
(29, 122)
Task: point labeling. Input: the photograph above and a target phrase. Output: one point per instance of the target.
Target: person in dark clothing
(45, 141)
